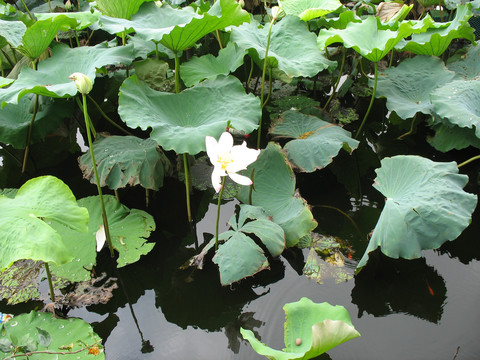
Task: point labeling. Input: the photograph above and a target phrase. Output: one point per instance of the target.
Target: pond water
(418, 309)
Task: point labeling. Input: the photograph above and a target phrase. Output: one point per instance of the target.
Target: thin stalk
(371, 101)
(334, 91)
(108, 118)
(262, 88)
(97, 179)
(187, 186)
(28, 11)
(50, 283)
(469, 161)
(218, 212)
(29, 134)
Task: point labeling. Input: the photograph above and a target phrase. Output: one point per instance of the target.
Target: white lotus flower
(228, 159)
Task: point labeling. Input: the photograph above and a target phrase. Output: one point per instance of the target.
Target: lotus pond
(239, 180)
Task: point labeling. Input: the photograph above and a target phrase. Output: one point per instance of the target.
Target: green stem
(97, 179)
(29, 134)
(371, 101)
(334, 91)
(107, 118)
(262, 88)
(187, 186)
(469, 161)
(177, 73)
(50, 283)
(218, 212)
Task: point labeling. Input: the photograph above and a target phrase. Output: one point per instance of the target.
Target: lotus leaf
(424, 207)
(51, 77)
(292, 47)
(123, 9)
(239, 257)
(44, 333)
(467, 66)
(274, 191)
(407, 87)
(12, 31)
(457, 103)
(316, 142)
(177, 29)
(309, 9)
(25, 232)
(310, 330)
(439, 35)
(129, 230)
(208, 66)
(181, 121)
(126, 160)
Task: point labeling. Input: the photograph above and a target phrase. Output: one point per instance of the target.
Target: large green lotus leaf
(370, 38)
(467, 66)
(177, 29)
(316, 142)
(291, 45)
(439, 36)
(425, 206)
(12, 31)
(37, 38)
(51, 77)
(240, 257)
(457, 103)
(208, 66)
(84, 18)
(44, 332)
(16, 120)
(24, 229)
(407, 95)
(274, 191)
(181, 121)
(448, 137)
(318, 328)
(309, 9)
(126, 160)
(123, 9)
(129, 230)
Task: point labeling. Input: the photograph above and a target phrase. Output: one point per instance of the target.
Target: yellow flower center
(225, 159)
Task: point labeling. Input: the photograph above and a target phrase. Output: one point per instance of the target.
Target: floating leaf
(292, 47)
(274, 191)
(62, 332)
(424, 207)
(24, 229)
(309, 9)
(316, 142)
(407, 94)
(126, 160)
(51, 77)
(457, 102)
(181, 121)
(310, 330)
(208, 66)
(239, 257)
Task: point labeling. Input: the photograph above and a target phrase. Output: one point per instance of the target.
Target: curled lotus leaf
(181, 121)
(425, 206)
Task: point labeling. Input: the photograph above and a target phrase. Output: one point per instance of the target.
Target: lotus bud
(83, 82)
(277, 12)
(68, 5)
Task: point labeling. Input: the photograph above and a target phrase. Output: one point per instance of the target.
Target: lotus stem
(29, 134)
(262, 88)
(469, 161)
(187, 186)
(50, 282)
(371, 101)
(218, 212)
(334, 91)
(97, 179)
(108, 118)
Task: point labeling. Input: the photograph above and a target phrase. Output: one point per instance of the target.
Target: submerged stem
(97, 179)
(218, 212)
(187, 186)
(371, 101)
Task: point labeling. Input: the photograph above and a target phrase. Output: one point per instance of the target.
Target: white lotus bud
(83, 82)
